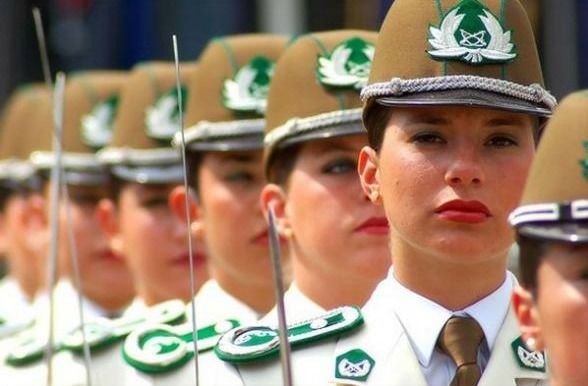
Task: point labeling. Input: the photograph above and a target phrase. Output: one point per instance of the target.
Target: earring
(374, 195)
(196, 228)
(288, 233)
(531, 344)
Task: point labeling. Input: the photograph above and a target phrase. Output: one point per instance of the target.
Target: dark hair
(193, 163)
(375, 122)
(282, 163)
(531, 250)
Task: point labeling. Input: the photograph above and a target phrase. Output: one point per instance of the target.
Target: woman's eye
(340, 166)
(427, 138)
(239, 177)
(155, 202)
(501, 141)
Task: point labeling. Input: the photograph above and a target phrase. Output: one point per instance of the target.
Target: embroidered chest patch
(355, 364)
(469, 32)
(533, 360)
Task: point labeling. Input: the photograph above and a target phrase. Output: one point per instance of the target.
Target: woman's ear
(273, 196)
(526, 313)
(107, 216)
(367, 168)
(177, 199)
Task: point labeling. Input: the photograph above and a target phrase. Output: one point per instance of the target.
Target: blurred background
(90, 34)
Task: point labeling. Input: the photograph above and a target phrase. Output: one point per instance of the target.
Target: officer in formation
(552, 231)
(143, 170)
(17, 185)
(453, 108)
(313, 136)
(224, 142)
(88, 272)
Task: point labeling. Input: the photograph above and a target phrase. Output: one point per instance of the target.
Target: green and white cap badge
(96, 126)
(347, 66)
(247, 92)
(162, 119)
(469, 32)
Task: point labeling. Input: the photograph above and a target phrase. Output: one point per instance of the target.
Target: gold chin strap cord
(460, 339)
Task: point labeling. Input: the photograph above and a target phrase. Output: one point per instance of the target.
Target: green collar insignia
(162, 119)
(96, 126)
(248, 344)
(247, 92)
(533, 360)
(347, 66)
(471, 33)
(584, 162)
(161, 348)
(355, 365)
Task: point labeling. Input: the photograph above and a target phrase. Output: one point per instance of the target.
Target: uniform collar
(423, 327)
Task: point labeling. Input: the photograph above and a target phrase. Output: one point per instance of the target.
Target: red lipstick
(374, 226)
(468, 212)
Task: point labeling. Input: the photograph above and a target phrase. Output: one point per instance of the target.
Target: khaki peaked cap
(90, 103)
(555, 200)
(147, 120)
(315, 90)
(228, 93)
(457, 52)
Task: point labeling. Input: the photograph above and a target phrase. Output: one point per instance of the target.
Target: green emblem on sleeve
(347, 66)
(469, 32)
(161, 348)
(162, 119)
(248, 344)
(355, 365)
(533, 360)
(247, 92)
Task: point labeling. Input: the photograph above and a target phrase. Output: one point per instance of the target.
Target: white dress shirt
(423, 320)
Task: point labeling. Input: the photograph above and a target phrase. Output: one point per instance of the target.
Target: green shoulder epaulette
(160, 348)
(526, 358)
(248, 344)
(97, 334)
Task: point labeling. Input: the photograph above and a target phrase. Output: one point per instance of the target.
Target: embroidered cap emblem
(247, 92)
(96, 126)
(347, 66)
(162, 119)
(471, 33)
(584, 162)
(355, 364)
(534, 360)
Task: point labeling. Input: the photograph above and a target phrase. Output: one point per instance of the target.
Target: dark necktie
(460, 339)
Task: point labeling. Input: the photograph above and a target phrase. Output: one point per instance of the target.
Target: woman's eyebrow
(506, 121)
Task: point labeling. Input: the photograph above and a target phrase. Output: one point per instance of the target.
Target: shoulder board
(97, 334)
(161, 348)
(526, 358)
(248, 344)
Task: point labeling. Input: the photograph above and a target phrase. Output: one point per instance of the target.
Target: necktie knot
(460, 339)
